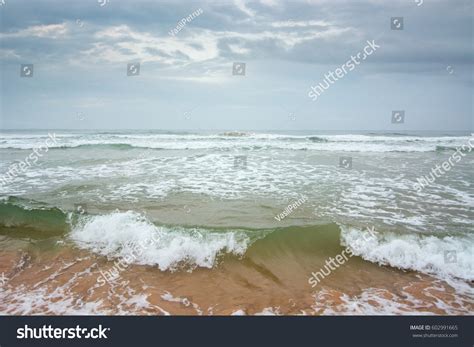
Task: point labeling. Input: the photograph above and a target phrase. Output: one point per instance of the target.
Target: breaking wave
(442, 256)
(131, 235)
(243, 140)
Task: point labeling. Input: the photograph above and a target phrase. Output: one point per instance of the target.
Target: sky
(80, 51)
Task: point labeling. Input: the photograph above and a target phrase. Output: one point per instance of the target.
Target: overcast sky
(80, 51)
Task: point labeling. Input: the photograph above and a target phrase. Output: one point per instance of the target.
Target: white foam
(269, 311)
(350, 142)
(62, 300)
(375, 301)
(414, 251)
(184, 301)
(20, 301)
(130, 236)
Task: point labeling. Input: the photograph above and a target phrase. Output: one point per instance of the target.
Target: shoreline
(63, 281)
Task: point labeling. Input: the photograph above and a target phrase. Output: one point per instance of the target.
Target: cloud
(51, 31)
(122, 43)
(270, 3)
(80, 51)
(8, 54)
(242, 6)
(314, 32)
(293, 24)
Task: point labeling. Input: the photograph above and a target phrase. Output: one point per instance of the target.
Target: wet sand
(64, 280)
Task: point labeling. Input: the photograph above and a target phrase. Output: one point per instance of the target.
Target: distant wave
(243, 140)
(466, 149)
(235, 134)
(389, 134)
(317, 139)
(118, 146)
(101, 145)
(445, 148)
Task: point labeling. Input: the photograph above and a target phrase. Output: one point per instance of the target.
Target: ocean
(149, 222)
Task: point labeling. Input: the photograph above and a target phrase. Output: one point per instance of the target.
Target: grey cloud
(287, 45)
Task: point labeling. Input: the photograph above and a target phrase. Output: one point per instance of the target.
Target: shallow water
(209, 201)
